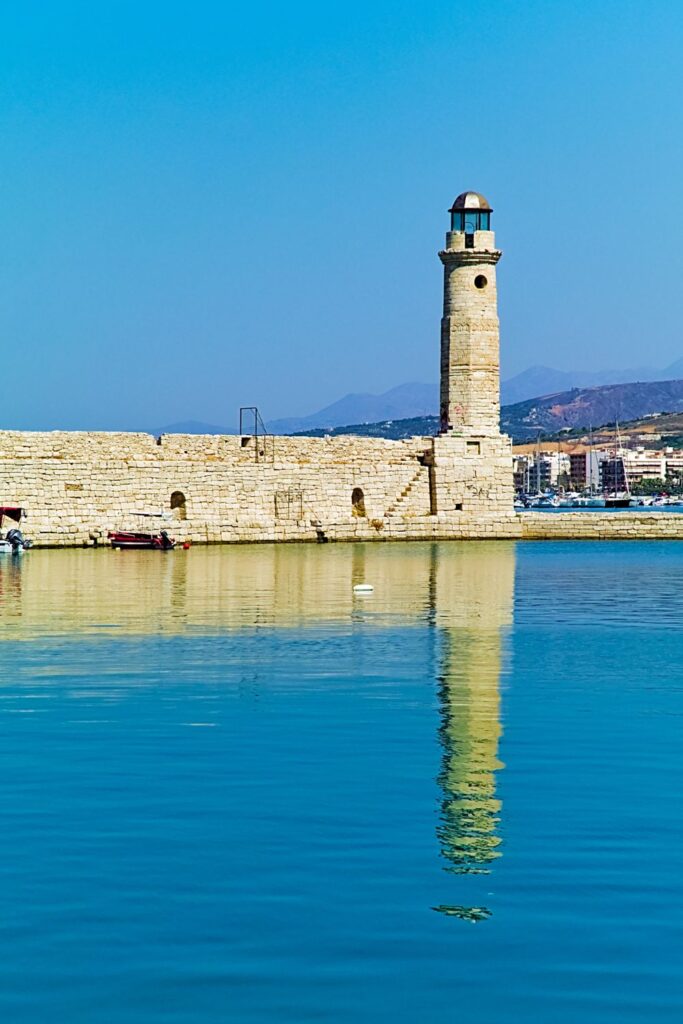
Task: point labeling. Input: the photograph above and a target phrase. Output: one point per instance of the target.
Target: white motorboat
(568, 500)
(589, 501)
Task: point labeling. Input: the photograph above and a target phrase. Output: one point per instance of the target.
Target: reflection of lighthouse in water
(470, 731)
(473, 593)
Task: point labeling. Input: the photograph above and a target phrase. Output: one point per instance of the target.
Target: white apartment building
(642, 463)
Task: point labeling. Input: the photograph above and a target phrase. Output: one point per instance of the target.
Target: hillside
(583, 407)
(411, 401)
(565, 412)
(404, 401)
(542, 380)
(395, 430)
(368, 414)
(660, 430)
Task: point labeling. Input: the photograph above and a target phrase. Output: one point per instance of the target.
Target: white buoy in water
(363, 588)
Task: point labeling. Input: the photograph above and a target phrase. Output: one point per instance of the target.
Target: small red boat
(141, 541)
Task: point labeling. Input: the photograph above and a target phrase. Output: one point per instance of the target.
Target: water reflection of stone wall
(464, 591)
(234, 588)
(248, 587)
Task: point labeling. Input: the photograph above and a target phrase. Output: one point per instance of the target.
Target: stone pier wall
(77, 486)
(229, 489)
(628, 525)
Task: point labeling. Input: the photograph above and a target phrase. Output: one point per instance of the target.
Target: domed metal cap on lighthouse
(470, 201)
(470, 212)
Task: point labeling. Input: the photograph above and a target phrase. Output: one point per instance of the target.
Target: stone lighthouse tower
(472, 460)
(470, 373)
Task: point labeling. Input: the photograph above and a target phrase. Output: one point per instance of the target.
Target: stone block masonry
(76, 487)
(628, 525)
(228, 489)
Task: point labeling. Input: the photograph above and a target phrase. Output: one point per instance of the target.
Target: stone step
(391, 511)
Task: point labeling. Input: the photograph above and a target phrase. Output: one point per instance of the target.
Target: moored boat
(589, 501)
(14, 542)
(568, 499)
(618, 501)
(131, 541)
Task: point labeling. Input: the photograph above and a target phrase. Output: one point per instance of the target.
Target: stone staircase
(397, 507)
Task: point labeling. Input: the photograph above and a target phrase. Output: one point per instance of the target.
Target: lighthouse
(470, 360)
(471, 464)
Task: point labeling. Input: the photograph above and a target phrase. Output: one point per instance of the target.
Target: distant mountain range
(402, 402)
(415, 400)
(583, 407)
(542, 380)
(395, 430)
(549, 414)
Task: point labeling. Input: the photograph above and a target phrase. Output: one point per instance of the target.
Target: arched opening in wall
(178, 505)
(357, 502)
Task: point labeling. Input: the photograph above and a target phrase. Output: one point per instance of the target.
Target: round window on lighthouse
(480, 281)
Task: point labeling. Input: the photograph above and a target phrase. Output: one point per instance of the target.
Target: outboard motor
(166, 542)
(16, 539)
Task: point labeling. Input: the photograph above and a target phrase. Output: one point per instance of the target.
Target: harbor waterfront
(86, 489)
(341, 514)
(235, 789)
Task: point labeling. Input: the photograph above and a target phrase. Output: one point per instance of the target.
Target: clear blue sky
(204, 205)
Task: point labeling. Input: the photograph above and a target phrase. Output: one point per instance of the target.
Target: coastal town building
(613, 476)
(584, 468)
(599, 469)
(641, 464)
(541, 470)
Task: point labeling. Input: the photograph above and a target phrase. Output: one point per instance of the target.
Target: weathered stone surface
(628, 525)
(77, 486)
(470, 357)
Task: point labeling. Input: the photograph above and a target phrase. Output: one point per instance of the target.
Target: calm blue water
(232, 792)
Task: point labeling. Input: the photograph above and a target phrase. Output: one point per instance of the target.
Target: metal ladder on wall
(263, 442)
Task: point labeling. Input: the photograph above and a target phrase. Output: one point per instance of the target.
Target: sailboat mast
(623, 460)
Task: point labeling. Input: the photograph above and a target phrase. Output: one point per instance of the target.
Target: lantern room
(469, 213)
